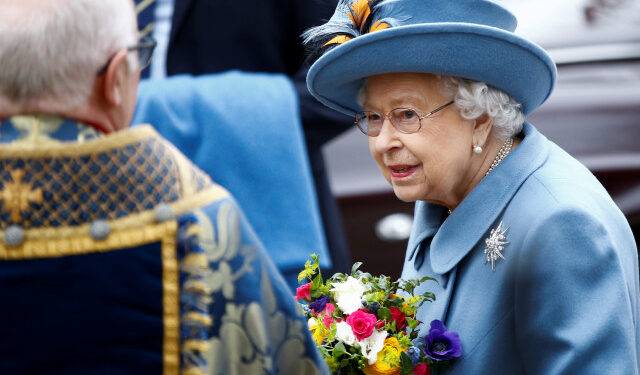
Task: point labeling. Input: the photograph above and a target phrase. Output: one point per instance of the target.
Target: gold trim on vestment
(199, 199)
(72, 148)
(126, 238)
(171, 304)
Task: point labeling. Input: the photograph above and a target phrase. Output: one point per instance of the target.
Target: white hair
(475, 98)
(53, 49)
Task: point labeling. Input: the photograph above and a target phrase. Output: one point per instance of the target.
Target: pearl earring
(477, 149)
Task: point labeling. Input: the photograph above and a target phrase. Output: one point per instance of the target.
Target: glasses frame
(145, 48)
(387, 116)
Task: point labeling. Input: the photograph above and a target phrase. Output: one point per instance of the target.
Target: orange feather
(337, 40)
(378, 25)
(359, 12)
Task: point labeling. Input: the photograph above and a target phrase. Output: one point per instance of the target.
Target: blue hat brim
(500, 58)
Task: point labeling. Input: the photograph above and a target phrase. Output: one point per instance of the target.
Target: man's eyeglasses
(144, 48)
(405, 120)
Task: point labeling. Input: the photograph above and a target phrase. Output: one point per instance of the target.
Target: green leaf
(383, 282)
(317, 282)
(384, 313)
(323, 350)
(411, 322)
(355, 267)
(406, 366)
(309, 268)
(427, 297)
(317, 286)
(366, 275)
(339, 350)
(304, 274)
(427, 278)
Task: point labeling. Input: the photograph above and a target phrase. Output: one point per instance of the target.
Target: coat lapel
(472, 219)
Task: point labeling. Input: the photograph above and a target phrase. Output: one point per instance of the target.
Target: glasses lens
(144, 55)
(361, 122)
(405, 120)
(372, 123)
(145, 51)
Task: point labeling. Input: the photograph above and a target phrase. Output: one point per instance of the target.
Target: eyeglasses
(405, 120)
(145, 51)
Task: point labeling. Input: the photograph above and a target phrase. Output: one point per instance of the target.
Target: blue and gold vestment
(119, 256)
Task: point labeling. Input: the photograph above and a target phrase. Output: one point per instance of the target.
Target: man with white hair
(117, 255)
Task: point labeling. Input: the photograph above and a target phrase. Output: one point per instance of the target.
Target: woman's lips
(402, 170)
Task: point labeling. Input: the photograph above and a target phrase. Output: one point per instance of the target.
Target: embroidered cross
(17, 196)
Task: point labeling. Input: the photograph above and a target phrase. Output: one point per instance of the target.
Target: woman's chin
(406, 194)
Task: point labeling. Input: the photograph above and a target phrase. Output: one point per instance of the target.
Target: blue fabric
(565, 300)
(92, 314)
(473, 39)
(252, 146)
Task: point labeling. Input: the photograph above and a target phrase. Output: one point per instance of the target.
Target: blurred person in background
(204, 37)
(537, 268)
(118, 255)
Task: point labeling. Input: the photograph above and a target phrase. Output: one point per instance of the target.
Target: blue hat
(472, 39)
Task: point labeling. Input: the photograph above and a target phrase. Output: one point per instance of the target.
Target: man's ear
(481, 129)
(114, 78)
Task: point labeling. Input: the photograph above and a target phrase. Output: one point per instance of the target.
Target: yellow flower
(388, 362)
(318, 330)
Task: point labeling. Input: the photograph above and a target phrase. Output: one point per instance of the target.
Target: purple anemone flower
(441, 344)
(319, 304)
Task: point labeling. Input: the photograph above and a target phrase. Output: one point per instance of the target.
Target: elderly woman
(537, 268)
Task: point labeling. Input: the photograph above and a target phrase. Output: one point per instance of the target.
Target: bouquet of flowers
(361, 325)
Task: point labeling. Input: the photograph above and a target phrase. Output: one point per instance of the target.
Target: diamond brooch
(495, 245)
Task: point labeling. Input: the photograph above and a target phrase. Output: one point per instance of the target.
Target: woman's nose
(388, 138)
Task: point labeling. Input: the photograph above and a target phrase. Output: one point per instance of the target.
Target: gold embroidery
(74, 149)
(17, 196)
(122, 174)
(171, 305)
(36, 128)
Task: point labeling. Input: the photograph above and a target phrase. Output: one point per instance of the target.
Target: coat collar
(471, 220)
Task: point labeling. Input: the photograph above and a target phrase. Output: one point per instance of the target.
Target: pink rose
(304, 292)
(399, 317)
(329, 308)
(327, 320)
(362, 324)
(421, 369)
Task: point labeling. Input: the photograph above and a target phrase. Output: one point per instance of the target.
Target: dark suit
(210, 36)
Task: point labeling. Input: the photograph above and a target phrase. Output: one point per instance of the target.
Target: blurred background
(593, 113)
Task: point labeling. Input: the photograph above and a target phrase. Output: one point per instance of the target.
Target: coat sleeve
(574, 302)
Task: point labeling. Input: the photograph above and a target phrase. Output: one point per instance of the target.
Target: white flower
(345, 334)
(372, 345)
(348, 294)
(312, 323)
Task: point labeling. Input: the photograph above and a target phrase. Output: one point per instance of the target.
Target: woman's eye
(407, 114)
(373, 117)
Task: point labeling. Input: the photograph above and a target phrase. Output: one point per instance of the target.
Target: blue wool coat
(565, 298)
